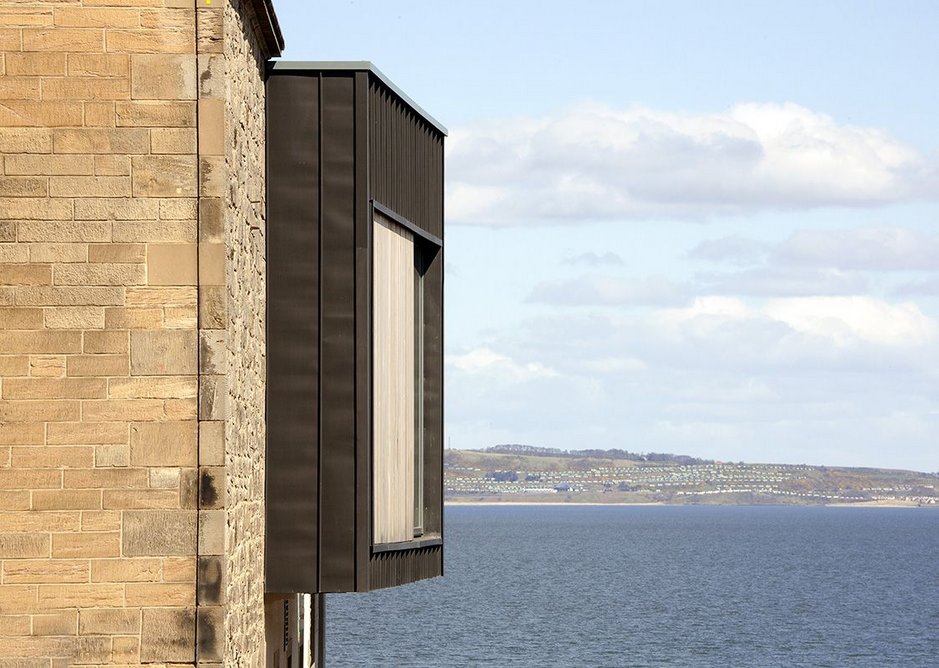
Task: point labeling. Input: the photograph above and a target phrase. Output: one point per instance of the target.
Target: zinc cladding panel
(326, 146)
(293, 329)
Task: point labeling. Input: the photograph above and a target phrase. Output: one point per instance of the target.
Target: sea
(640, 586)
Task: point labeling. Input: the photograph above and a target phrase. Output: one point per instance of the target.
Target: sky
(700, 228)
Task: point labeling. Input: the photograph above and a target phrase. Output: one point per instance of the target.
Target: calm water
(659, 586)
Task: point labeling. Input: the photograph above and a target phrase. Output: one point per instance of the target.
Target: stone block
(150, 41)
(66, 499)
(122, 141)
(21, 434)
(64, 596)
(58, 252)
(86, 545)
(162, 296)
(12, 366)
(101, 520)
(97, 17)
(98, 65)
(125, 570)
(112, 456)
(40, 411)
(189, 488)
(57, 624)
(49, 165)
(158, 353)
(54, 388)
(211, 634)
(164, 444)
(164, 176)
(163, 77)
(98, 365)
(25, 571)
(172, 264)
(124, 409)
(54, 457)
(153, 114)
(64, 231)
(213, 307)
(25, 140)
(181, 317)
(35, 64)
(108, 622)
(43, 113)
(87, 433)
(114, 342)
(34, 209)
(24, 545)
(142, 499)
(47, 366)
(152, 594)
(173, 141)
(165, 478)
(179, 209)
(111, 165)
(25, 274)
(168, 634)
(23, 186)
(211, 126)
(133, 318)
(21, 318)
(212, 443)
(70, 296)
(89, 186)
(162, 231)
(86, 88)
(117, 253)
(100, 114)
(179, 569)
(105, 479)
(159, 533)
(211, 580)
(39, 342)
(212, 487)
(211, 532)
(100, 274)
(116, 209)
(67, 40)
(74, 317)
(212, 264)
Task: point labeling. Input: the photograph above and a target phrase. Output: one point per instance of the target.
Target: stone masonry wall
(131, 333)
(245, 432)
(98, 332)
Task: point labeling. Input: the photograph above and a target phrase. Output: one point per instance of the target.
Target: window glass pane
(393, 382)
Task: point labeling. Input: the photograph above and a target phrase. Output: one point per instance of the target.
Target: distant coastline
(860, 504)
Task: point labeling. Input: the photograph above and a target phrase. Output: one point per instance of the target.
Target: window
(397, 382)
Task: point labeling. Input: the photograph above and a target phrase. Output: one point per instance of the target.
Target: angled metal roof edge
(270, 26)
(356, 66)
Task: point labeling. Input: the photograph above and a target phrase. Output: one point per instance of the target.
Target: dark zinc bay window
(354, 464)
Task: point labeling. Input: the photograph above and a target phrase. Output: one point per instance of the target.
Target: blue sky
(702, 228)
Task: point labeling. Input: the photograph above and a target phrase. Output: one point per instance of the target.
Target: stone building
(133, 360)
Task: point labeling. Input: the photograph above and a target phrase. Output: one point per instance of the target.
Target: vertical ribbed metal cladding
(292, 324)
(390, 569)
(337, 336)
(405, 159)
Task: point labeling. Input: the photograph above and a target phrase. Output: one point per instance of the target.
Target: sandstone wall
(245, 431)
(131, 334)
(98, 332)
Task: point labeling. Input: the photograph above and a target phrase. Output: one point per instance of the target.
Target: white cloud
(485, 361)
(841, 321)
(592, 259)
(593, 162)
(870, 248)
(784, 282)
(849, 320)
